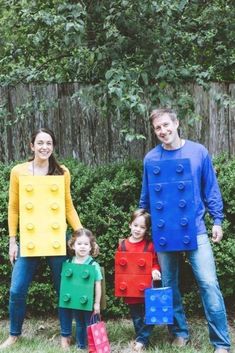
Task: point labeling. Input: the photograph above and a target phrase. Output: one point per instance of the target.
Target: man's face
(166, 130)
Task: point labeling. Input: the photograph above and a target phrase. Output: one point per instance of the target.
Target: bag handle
(95, 318)
(157, 284)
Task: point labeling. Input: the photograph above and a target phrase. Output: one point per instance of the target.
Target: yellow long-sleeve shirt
(13, 205)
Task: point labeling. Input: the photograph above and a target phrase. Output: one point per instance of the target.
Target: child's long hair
(142, 212)
(79, 233)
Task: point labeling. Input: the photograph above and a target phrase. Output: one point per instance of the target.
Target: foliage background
(126, 55)
(104, 197)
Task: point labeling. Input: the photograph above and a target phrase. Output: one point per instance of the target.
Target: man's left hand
(217, 233)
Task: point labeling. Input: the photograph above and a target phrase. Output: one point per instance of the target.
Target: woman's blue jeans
(22, 276)
(82, 318)
(203, 266)
(142, 331)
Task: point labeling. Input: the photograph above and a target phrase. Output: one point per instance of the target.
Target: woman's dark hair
(54, 167)
(79, 233)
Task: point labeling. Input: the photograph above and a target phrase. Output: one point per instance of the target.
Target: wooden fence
(92, 139)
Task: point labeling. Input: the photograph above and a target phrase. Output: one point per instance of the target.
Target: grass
(42, 336)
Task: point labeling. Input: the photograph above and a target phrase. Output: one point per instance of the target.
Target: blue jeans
(203, 266)
(142, 330)
(22, 276)
(82, 318)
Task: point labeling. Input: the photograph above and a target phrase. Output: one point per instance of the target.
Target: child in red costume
(139, 242)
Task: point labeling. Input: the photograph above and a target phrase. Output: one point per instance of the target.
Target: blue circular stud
(181, 186)
(162, 241)
(182, 203)
(186, 239)
(159, 205)
(157, 170)
(158, 187)
(161, 223)
(179, 168)
(184, 222)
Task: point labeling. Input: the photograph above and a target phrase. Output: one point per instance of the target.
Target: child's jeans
(142, 330)
(82, 319)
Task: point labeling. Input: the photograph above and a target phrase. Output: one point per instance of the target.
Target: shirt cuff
(217, 222)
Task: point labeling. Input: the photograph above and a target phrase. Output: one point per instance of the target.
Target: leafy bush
(104, 197)
(225, 251)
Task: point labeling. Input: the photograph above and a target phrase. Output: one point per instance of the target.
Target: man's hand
(217, 233)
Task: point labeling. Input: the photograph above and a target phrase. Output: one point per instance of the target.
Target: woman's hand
(13, 250)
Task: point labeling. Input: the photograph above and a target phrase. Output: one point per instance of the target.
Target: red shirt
(139, 247)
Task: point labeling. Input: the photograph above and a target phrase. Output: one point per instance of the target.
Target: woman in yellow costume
(43, 163)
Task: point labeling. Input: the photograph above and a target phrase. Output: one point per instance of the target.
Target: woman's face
(42, 146)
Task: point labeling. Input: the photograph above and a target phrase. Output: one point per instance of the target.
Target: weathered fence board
(92, 139)
(231, 121)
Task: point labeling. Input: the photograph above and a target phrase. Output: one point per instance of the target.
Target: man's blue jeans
(203, 266)
(22, 276)
(142, 330)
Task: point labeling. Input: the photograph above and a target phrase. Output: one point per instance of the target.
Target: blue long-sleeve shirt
(207, 196)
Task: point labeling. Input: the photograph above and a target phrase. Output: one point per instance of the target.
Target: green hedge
(104, 197)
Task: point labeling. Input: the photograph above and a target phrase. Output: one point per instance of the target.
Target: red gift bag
(97, 338)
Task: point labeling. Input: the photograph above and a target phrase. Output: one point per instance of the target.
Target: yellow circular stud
(30, 245)
(29, 206)
(55, 226)
(54, 206)
(30, 226)
(56, 245)
(29, 188)
(54, 187)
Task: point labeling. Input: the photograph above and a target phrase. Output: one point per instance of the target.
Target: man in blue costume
(204, 195)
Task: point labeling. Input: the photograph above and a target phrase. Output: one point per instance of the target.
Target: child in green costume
(82, 243)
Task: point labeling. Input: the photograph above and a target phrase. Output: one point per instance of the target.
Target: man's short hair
(157, 113)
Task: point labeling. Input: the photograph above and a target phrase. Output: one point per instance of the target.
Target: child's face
(138, 228)
(82, 246)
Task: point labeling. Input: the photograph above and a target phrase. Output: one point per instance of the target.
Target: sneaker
(179, 342)
(221, 350)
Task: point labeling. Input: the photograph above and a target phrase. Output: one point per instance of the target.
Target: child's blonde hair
(142, 212)
(79, 233)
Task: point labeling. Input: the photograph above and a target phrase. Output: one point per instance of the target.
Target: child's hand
(156, 275)
(97, 308)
